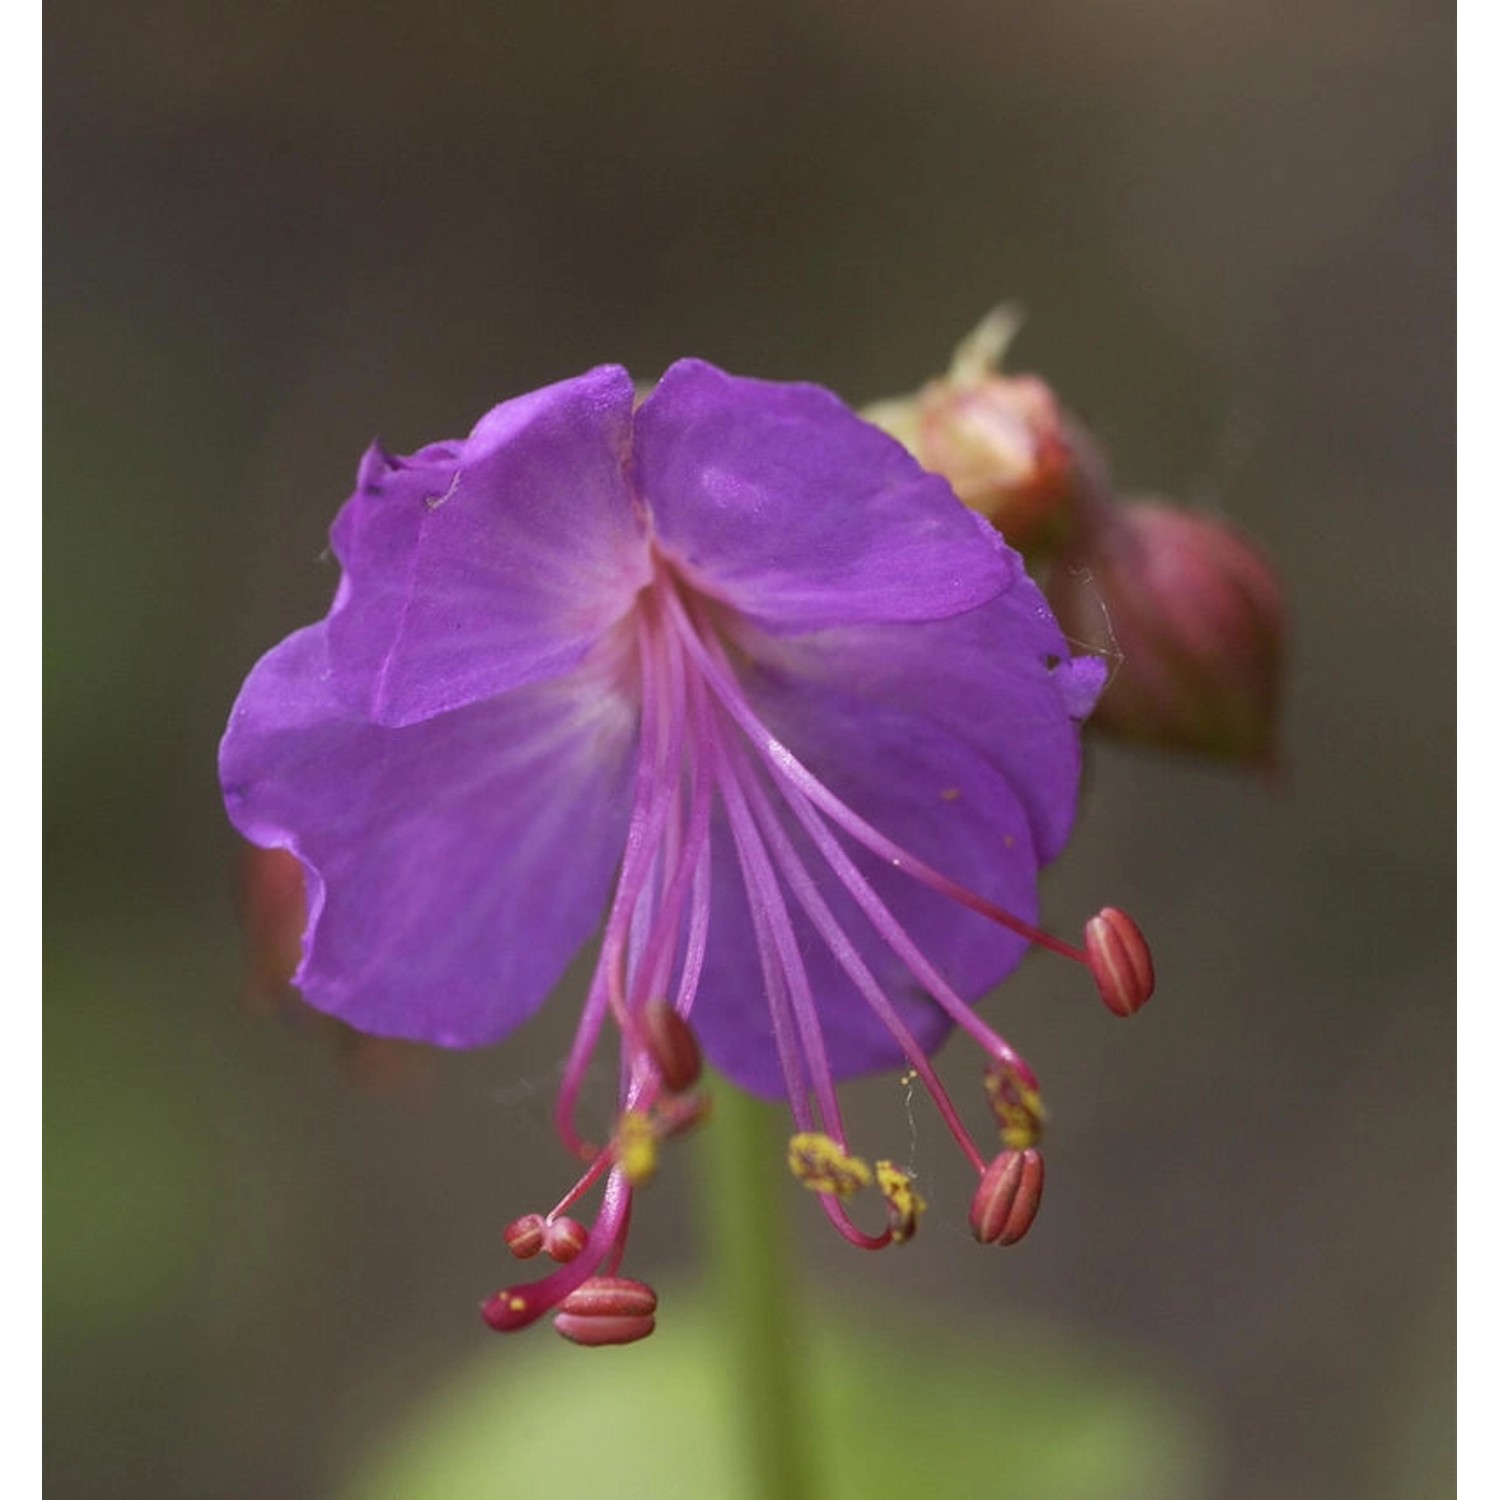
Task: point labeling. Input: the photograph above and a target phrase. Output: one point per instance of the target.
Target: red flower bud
(1194, 615)
(1007, 1198)
(1119, 960)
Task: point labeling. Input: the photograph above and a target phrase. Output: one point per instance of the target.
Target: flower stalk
(745, 1188)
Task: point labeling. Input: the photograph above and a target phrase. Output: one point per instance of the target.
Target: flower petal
(782, 502)
(1000, 677)
(445, 894)
(472, 568)
(937, 796)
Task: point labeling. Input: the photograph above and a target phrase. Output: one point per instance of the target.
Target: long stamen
(791, 772)
(783, 1028)
(663, 688)
(684, 859)
(847, 956)
(662, 728)
(776, 757)
(765, 892)
(900, 941)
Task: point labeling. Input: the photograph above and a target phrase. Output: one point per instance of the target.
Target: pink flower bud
(1000, 440)
(1195, 617)
(1007, 1198)
(1000, 443)
(673, 1047)
(1120, 961)
(607, 1310)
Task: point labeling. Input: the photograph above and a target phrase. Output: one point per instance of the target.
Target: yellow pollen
(905, 1203)
(1018, 1109)
(635, 1147)
(821, 1165)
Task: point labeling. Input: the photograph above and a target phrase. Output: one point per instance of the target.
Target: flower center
(708, 765)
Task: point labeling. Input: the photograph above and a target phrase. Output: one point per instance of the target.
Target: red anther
(672, 1045)
(564, 1238)
(526, 1236)
(607, 1310)
(1120, 961)
(610, 1297)
(597, 1332)
(1007, 1198)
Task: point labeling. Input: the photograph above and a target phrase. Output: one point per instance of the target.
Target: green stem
(756, 1293)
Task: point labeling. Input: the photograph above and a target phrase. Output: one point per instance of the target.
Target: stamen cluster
(711, 765)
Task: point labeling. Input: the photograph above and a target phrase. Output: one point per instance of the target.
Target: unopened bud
(1001, 441)
(1119, 960)
(1195, 617)
(527, 1236)
(564, 1238)
(673, 1047)
(607, 1310)
(1007, 1198)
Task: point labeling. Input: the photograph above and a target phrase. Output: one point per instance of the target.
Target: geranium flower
(729, 671)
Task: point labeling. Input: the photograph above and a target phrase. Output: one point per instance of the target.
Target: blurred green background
(278, 229)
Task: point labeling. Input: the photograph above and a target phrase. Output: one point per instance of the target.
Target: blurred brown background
(277, 229)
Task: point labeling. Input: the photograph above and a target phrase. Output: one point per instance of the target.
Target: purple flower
(727, 670)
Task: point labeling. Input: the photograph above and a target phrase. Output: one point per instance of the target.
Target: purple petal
(999, 677)
(781, 501)
(475, 567)
(931, 792)
(454, 866)
(1080, 680)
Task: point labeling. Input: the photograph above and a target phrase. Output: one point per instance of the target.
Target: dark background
(277, 229)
